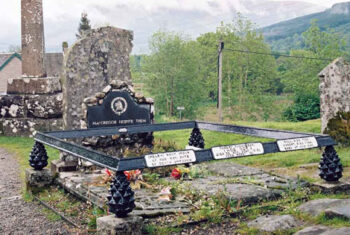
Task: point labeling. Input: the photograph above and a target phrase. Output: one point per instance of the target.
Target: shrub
(305, 107)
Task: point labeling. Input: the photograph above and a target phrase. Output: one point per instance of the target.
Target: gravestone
(101, 56)
(118, 105)
(335, 100)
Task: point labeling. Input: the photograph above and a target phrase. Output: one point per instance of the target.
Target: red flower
(108, 172)
(176, 174)
(132, 175)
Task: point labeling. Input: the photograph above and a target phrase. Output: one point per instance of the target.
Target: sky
(144, 17)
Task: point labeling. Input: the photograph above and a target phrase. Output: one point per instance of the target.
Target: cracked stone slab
(332, 187)
(333, 206)
(248, 193)
(88, 187)
(253, 175)
(271, 223)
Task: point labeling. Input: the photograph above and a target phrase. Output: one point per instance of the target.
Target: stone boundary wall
(31, 104)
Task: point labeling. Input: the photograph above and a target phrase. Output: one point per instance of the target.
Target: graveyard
(91, 151)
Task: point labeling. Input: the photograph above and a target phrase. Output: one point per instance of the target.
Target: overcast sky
(193, 17)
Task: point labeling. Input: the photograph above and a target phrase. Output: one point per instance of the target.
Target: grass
(21, 147)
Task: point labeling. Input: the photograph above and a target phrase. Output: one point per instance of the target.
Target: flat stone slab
(252, 175)
(323, 230)
(231, 169)
(271, 223)
(248, 193)
(334, 207)
(89, 187)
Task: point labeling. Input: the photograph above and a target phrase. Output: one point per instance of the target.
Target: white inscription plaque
(168, 159)
(238, 150)
(297, 144)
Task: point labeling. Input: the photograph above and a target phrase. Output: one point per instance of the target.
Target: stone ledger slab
(248, 193)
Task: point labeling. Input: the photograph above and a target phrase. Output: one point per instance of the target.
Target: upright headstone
(101, 56)
(335, 100)
(33, 46)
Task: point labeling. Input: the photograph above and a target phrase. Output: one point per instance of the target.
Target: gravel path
(16, 215)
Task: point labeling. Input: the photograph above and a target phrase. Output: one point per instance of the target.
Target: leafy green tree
(172, 70)
(84, 25)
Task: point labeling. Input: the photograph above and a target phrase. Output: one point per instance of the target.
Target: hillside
(285, 35)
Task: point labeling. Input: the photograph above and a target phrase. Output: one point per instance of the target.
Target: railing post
(38, 157)
(196, 139)
(330, 166)
(121, 199)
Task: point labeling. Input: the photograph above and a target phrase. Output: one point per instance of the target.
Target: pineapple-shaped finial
(121, 200)
(38, 157)
(330, 166)
(196, 139)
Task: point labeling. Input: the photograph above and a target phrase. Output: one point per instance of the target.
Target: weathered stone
(323, 230)
(230, 169)
(316, 207)
(62, 166)
(237, 191)
(12, 106)
(33, 45)
(335, 95)
(27, 85)
(91, 99)
(38, 179)
(331, 187)
(338, 211)
(272, 223)
(150, 100)
(313, 230)
(111, 225)
(107, 89)
(28, 126)
(101, 56)
(44, 106)
(100, 95)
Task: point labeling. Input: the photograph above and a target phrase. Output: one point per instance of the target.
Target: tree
(84, 25)
(172, 69)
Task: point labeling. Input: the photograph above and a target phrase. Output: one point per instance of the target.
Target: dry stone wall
(101, 56)
(335, 100)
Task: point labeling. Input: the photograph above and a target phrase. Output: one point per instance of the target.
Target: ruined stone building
(11, 67)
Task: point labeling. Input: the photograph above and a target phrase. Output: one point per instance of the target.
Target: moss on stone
(339, 128)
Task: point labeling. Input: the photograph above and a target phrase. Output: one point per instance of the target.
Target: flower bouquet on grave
(136, 180)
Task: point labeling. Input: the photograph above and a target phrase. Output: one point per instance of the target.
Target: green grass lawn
(21, 147)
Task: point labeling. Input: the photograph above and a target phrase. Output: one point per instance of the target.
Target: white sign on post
(297, 144)
(238, 150)
(168, 159)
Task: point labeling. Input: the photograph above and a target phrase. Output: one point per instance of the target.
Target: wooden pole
(221, 47)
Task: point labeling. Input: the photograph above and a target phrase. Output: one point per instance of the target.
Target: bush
(305, 107)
